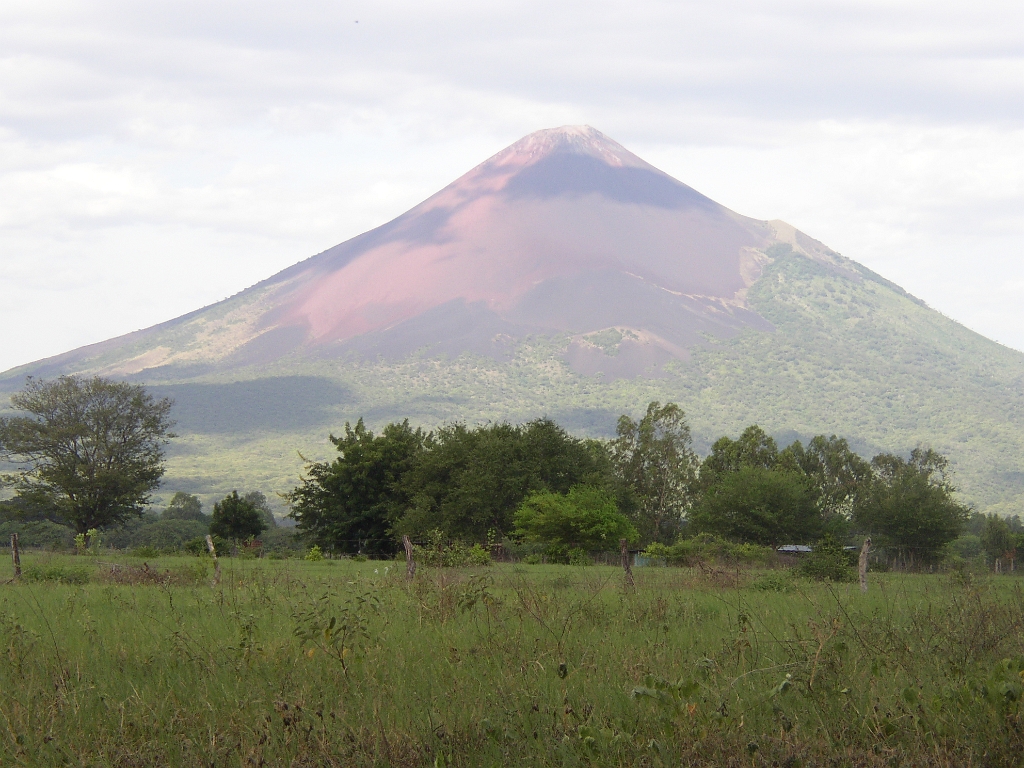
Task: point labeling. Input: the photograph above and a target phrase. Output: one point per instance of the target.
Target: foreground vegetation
(113, 661)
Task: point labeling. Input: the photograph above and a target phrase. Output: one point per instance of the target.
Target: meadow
(112, 660)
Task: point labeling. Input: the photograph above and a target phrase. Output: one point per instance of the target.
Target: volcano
(566, 277)
(563, 232)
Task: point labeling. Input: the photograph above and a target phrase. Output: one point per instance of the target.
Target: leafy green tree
(584, 517)
(754, 448)
(911, 506)
(91, 450)
(760, 506)
(997, 539)
(236, 519)
(841, 478)
(469, 482)
(352, 503)
(655, 458)
(258, 500)
(185, 506)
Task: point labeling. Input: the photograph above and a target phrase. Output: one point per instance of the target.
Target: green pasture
(110, 660)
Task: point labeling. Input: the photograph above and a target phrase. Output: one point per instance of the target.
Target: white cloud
(156, 157)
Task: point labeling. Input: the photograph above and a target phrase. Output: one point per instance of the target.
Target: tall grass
(342, 663)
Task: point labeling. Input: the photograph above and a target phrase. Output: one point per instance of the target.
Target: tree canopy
(184, 506)
(91, 450)
(352, 503)
(760, 506)
(468, 482)
(236, 519)
(655, 458)
(911, 505)
(585, 517)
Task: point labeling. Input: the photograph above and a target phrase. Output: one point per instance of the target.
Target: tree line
(535, 481)
(91, 451)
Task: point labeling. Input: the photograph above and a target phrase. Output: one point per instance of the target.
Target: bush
(450, 554)
(828, 562)
(58, 573)
(532, 559)
(282, 541)
(585, 516)
(578, 556)
(168, 535)
(774, 581)
(146, 551)
(565, 555)
(39, 533)
(477, 555)
(314, 555)
(708, 547)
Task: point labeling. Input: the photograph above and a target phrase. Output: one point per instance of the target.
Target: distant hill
(566, 277)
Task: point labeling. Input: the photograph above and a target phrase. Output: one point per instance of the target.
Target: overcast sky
(156, 157)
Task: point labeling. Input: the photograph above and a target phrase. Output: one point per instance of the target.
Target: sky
(157, 157)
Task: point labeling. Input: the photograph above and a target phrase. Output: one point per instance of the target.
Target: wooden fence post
(16, 556)
(862, 565)
(410, 564)
(624, 547)
(216, 562)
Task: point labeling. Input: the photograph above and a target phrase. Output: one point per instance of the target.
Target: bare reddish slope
(564, 230)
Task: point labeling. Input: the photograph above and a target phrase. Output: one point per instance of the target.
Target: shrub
(169, 535)
(314, 555)
(584, 516)
(708, 547)
(440, 553)
(532, 559)
(578, 556)
(828, 562)
(477, 555)
(58, 573)
(37, 533)
(774, 581)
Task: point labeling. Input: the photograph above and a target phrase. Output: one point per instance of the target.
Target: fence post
(862, 565)
(624, 547)
(410, 564)
(216, 562)
(15, 555)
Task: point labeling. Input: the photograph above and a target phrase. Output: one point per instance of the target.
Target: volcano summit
(566, 276)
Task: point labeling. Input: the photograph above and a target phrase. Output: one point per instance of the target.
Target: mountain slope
(566, 277)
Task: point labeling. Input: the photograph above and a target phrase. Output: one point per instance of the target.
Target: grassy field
(345, 663)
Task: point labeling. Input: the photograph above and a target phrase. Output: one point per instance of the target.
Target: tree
(841, 478)
(655, 459)
(91, 450)
(469, 482)
(353, 503)
(236, 519)
(184, 506)
(759, 506)
(584, 517)
(258, 500)
(754, 448)
(911, 506)
(997, 539)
